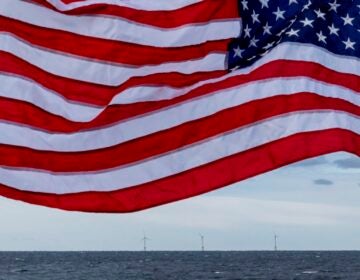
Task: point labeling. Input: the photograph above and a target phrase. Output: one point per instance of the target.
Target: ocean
(180, 265)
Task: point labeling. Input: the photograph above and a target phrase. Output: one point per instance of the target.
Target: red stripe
(93, 93)
(171, 139)
(202, 179)
(107, 50)
(201, 12)
(35, 117)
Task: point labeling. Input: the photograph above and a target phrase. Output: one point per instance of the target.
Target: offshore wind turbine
(202, 242)
(145, 239)
(275, 242)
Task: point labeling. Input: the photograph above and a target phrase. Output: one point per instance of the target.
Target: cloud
(348, 163)
(323, 182)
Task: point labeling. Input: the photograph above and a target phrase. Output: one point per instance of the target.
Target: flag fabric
(118, 106)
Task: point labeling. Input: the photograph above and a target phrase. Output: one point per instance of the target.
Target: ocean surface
(180, 265)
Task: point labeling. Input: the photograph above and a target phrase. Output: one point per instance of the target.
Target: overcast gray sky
(314, 204)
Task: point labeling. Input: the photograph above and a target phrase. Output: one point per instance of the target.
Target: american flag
(118, 106)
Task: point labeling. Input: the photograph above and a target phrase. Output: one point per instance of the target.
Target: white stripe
(68, 110)
(26, 90)
(121, 30)
(180, 160)
(14, 134)
(286, 51)
(102, 73)
(146, 5)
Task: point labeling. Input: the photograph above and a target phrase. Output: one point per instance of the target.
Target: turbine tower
(145, 239)
(202, 242)
(275, 242)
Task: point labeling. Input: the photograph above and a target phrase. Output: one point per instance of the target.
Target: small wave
(20, 270)
(310, 272)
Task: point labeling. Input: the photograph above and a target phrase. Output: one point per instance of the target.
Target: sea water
(180, 265)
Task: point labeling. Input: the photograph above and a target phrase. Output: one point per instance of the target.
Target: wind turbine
(275, 242)
(202, 242)
(145, 239)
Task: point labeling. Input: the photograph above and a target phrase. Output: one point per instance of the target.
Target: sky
(310, 205)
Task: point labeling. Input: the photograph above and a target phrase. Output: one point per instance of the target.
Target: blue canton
(333, 25)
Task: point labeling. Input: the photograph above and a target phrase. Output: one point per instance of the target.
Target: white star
(269, 45)
(235, 68)
(244, 3)
(282, 31)
(348, 20)
(293, 32)
(264, 53)
(264, 3)
(349, 44)
(334, 30)
(293, 2)
(307, 22)
(253, 42)
(292, 21)
(251, 58)
(238, 52)
(279, 14)
(255, 17)
(334, 6)
(321, 37)
(267, 28)
(307, 6)
(320, 14)
(247, 31)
